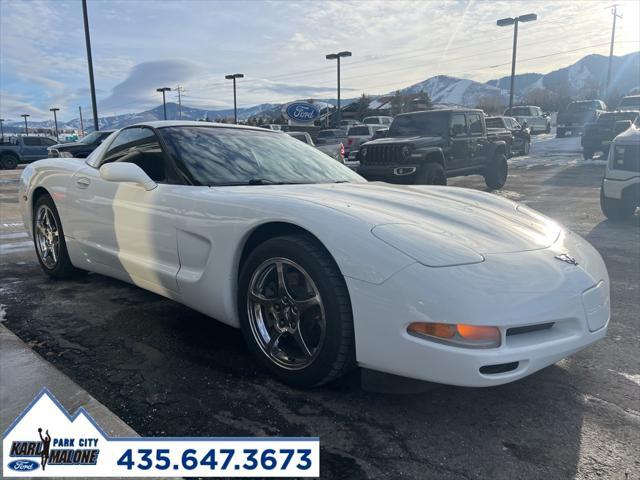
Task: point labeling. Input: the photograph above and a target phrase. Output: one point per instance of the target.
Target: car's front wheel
(48, 237)
(432, 173)
(295, 311)
(495, 175)
(8, 162)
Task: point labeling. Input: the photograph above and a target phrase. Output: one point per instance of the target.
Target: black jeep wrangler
(427, 147)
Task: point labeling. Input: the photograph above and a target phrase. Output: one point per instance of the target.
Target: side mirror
(622, 125)
(127, 172)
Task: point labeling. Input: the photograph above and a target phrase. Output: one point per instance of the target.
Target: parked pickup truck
(598, 135)
(520, 143)
(427, 147)
(573, 118)
(24, 149)
(81, 148)
(531, 116)
(334, 150)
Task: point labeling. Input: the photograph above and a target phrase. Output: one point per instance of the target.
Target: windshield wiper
(255, 181)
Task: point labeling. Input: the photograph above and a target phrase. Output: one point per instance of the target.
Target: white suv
(620, 192)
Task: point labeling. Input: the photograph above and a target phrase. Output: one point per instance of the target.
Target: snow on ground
(547, 150)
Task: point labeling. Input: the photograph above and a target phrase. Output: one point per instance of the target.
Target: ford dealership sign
(301, 112)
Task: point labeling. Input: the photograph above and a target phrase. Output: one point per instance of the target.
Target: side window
(139, 146)
(475, 123)
(458, 125)
(47, 142)
(31, 141)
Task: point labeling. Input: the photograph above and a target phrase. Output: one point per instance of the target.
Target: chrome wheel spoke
(282, 282)
(273, 341)
(261, 299)
(297, 335)
(304, 305)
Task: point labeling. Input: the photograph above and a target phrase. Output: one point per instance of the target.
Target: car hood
(417, 140)
(482, 222)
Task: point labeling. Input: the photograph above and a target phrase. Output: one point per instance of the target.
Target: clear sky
(280, 46)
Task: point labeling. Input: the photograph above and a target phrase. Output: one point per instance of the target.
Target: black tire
(431, 174)
(587, 154)
(616, 210)
(496, 172)
(336, 355)
(63, 269)
(560, 133)
(8, 162)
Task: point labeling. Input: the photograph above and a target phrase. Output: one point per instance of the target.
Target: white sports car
(320, 269)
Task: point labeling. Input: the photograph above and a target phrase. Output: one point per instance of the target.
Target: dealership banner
(45, 441)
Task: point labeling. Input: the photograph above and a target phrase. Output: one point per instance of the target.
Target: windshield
(226, 156)
(608, 118)
(519, 111)
(630, 102)
(427, 123)
(327, 134)
(577, 106)
(493, 122)
(359, 131)
(372, 121)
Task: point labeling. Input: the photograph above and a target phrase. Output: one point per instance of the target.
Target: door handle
(83, 182)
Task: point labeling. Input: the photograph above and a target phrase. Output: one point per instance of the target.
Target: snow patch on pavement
(3, 312)
(547, 150)
(633, 378)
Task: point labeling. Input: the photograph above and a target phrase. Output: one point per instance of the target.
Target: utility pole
(92, 85)
(55, 121)
(1, 130)
(614, 12)
(163, 90)
(338, 56)
(503, 22)
(179, 89)
(235, 105)
(81, 122)
(26, 129)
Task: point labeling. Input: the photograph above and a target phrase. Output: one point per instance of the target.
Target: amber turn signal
(441, 330)
(460, 335)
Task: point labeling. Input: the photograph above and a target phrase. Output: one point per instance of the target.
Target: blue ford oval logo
(302, 112)
(23, 465)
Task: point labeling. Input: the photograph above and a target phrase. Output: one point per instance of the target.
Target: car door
(45, 143)
(31, 149)
(459, 137)
(477, 139)
(122, 226)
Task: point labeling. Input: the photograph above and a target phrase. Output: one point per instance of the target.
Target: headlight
(459, 335)
(618, 155)
(406, 151)
(363, 151)
(66, 154)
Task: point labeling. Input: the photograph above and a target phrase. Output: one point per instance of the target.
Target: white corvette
(320, 269)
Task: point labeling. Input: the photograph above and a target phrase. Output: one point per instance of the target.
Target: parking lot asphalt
(167, 370)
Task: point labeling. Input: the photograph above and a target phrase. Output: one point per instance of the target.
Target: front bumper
(629, 188)
(507, 291)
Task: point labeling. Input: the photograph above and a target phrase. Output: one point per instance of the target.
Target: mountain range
(584, 77)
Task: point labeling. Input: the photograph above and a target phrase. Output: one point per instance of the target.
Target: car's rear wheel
(295, 312)
(617, 210)
(8, 162)
(432, 173)
(48, 237)
(496, 172)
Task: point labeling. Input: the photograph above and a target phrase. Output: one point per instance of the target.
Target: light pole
(92, 85)
(338, 56)
(614, 12)
(235, 105)
(164, 105)
(1, 130)
(55, 120)
(26, 129)
(504, 22)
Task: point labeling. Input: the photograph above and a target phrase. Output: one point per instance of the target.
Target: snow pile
(547, 150)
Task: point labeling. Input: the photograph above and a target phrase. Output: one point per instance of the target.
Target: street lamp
(505, 22)
(55, 120)
(92, 84)
(338, 56)
(164, 105)
(235, 105)
(26, 129)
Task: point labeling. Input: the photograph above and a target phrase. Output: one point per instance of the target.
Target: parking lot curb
(24, 373)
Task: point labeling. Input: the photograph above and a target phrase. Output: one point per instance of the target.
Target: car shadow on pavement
(168, 370)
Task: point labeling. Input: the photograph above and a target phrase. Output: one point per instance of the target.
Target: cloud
(139, 88)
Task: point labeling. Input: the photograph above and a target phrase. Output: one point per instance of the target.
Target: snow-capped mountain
(458, 91)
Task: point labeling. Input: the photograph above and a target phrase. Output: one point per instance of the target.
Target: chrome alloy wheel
(286, 313)
(47, 237)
